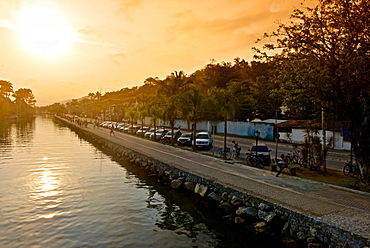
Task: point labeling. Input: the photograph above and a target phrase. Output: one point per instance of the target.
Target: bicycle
(223, 153)
(350, 169)
(294, 158)
(236, 152)
(255, 160)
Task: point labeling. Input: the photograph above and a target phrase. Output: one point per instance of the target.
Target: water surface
(58, 190)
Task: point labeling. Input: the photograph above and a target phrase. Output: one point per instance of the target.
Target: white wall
(298, 135)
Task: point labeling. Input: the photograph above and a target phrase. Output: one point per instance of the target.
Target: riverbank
(302, 209)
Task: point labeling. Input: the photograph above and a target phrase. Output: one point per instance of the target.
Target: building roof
(273, 121)
(311, 124)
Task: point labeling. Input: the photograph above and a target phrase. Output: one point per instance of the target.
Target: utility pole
(323, 137)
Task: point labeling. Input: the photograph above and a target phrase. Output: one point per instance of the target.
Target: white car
(142, 131)
(203, 140)
(148, 133)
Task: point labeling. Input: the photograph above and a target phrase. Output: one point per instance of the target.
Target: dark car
(263, 151)
(157, 135)
(185, 139)
(168, 136)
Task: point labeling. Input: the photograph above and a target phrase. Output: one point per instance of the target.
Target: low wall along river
(236, 206)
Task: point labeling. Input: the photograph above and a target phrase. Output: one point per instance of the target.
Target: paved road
(335, 158)
(337, 206)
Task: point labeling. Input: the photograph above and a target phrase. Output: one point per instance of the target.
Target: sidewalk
(337, 206)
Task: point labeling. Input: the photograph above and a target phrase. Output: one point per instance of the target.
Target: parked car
(142, 131)
(203, 140)
(157, 135)
(131, 129)
(168, 136)
(263, 151)
(119, 125)
(112, 124)
(185, 139)
(122, 128)
(148, 133)
(105, 123)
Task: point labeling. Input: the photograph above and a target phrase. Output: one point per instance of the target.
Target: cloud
(117, 58)
(85, 31)
(7, 25)
(128, 7)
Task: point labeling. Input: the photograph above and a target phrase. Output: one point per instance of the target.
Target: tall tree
(25, 102)
(226, 106)
(334, 35)
(192, 99)
(6, 88)
(25, 95)
(169, 92)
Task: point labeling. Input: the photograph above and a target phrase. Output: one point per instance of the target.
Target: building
(337, 134)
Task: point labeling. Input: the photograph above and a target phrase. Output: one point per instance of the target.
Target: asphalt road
(335, 158)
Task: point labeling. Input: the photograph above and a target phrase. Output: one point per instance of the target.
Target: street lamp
(257, 134)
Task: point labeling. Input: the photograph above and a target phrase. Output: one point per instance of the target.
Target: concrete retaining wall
(240, 208)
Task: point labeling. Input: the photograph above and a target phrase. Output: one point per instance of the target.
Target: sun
(43, 31)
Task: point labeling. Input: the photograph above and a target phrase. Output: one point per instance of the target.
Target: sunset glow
(43, 32)
(67, 49)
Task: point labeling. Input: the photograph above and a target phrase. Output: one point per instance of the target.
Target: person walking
(112, 130)
(282, 164)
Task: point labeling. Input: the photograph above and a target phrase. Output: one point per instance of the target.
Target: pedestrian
(282, 164)
(111, 131)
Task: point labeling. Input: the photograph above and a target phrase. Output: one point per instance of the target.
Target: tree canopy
(23, 105)
(323, 62)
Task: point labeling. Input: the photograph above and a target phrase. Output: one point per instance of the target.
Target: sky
(65, 49)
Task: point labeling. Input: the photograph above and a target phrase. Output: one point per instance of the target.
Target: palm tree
(192, 99)
(225, 105)
(168, 94)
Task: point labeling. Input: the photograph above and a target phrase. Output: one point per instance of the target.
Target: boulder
(266, 216)
(260, 227)
(247, 212)
(315, 245)
(214, 197)
(239, 220)
(264, 206)
(201, 189)
(236, 201)
(175, 184)
(189, 186)
(285, 230)
(251, 211)
(225, 196)
(225, 206)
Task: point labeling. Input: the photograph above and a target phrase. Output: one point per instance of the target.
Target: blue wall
(239, 128)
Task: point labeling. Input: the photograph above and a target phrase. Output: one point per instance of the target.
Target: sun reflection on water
(46, 188)
(47, 216)
(47, 184)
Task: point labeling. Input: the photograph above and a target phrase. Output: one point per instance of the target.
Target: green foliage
(6, 88)
(23, 105)
(324, 62)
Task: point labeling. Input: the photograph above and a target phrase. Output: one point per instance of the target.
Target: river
(58, 190)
